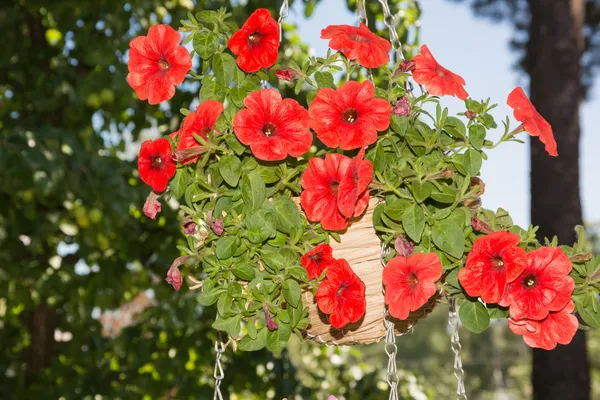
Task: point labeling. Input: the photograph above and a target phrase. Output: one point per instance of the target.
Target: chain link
(459, 372)
(362, 12)
(218, 374)
(284, 12)
(391, 349)
(389, 21)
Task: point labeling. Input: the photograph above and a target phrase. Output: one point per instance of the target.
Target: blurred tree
(560, 44)
(73, 240)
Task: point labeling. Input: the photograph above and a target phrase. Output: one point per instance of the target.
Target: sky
(487, 66)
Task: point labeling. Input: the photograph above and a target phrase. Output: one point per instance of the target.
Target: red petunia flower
(200, 122)
(336, 189)
(272, 127)
(495, 260)
(316, 260)
(544, 285)
(410, 282)
(341, 294)
(358, 43)
(157, 63)
(532, 121)
(256, 43)
(155, 164)
(350, 116)
(437, 80)
(557, 327)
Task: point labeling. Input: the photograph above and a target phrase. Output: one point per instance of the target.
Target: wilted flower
(481, 226)
(403, 247)
(402, 107)
(216, 225)
(189, 226)
(271, 325)
(288, 74)
(151, 206)
(173, 275)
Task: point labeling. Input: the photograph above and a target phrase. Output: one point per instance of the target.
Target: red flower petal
(494, 261)
(358, 43)
(157, 63)
(438, 80)
(272, 127)
(544, 285)
(410, 282)
(532, 121)
(341, 294)
(316, 260)
(256, 43)
(350, 116)
(354, 183)
(155, 165)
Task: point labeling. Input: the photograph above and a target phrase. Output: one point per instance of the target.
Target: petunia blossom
(273, 127)
(438, 80)
(335, 189)
(155, 165)
(532, 121)
(544, 286)
(557, 328)
(410, 282)
(200, 122)
(494, 261)
(151, 206)
(350, 116)
(358, 43)
(341, 295)
(157, 63)
(256, 43)
(317, 260)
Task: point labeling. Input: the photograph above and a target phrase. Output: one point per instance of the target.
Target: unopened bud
(481, 226)
(271, 325)
(190, 152)
(470, 114)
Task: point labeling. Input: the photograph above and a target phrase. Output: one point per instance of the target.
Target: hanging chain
(391, 349)
(362, 12)
(388, 20)
(284, 12)
(218, 374)
(459, 372)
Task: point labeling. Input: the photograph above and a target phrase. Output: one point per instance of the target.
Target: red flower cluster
(256, 43)
(410, 282)
(438, 80)
(157, 63)
(200, 122)
(532, 121)
(272, 127)
(341, 294)
(155, 165)
(335, 189)
(536, 287)
(350, 116)
(358, 43)
(317, 260)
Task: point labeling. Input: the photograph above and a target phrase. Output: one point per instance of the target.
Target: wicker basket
(361, 247)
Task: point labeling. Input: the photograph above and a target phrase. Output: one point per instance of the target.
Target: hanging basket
(361, 247)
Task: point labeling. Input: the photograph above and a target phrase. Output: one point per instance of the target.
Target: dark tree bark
(43, 324)
(553, 62)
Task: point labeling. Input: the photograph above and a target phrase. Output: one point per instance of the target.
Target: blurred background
(84, 309)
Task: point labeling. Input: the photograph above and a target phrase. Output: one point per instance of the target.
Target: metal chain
(391, 349)
(362, 12)
(459, 372)
(388, 20)
(284, 12)
(218, 374)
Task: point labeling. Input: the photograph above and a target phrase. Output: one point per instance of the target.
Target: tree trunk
(43, 324)
(553, 61)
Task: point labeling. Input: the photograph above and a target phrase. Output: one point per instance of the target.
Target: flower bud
(216, 226)
(288, 74)
(470, 114)
(403, 247)
(407, 66)
(271, 325)
(481, 226)
(402, 107)
(581, 258)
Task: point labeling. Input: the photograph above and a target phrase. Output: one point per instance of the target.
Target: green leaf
(277, 339)
(244, 271)
(211, 90)
(399, 124)
(444, 195)
(210, 298)
(455, 128)
(472, 162)
(474, 316)
(585, 308)
(252, 331)
(421, 191)
(229, 325)
(477, 136)
(230, 168)
(223, 66)
(206, 44)
(254, 191)
(225, 247)
(324, 79)
(497, 312)
(208, 16)
(413, 221)
(449, 238)
(237, 95)
(224, 304)
(235, 145)
(287, 215)
(180, 182)
(298, 273)
(292, 292)
(249, 344)
(395, 209)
